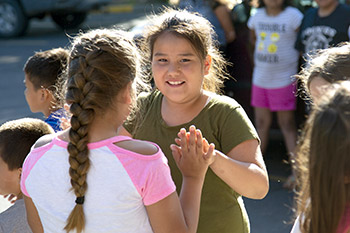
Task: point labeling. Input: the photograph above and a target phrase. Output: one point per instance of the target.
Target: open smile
(175, 83)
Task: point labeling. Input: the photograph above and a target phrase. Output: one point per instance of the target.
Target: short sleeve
(26, 168)
(159, 183)
(236, 129)
(251, 22)
(296, 18)
(32, 158)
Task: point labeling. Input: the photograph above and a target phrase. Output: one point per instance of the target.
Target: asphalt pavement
(273, 214)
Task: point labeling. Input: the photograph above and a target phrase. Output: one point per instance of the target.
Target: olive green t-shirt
(222, 122)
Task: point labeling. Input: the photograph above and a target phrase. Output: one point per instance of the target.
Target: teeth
(174, 82)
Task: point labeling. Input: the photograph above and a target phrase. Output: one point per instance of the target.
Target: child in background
(138, 192)
(44, 85)
(16, 139)
(325, 67)
(323, 202)
(323, 27)
(273, 31)
(187, 71)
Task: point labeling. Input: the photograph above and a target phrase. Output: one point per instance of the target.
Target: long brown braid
(102, 62)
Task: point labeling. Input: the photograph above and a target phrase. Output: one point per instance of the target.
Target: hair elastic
(80, 200)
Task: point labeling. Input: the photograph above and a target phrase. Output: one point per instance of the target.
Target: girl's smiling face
(178, 70)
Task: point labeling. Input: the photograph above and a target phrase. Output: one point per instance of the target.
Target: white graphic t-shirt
(275, 58)
(120, 184)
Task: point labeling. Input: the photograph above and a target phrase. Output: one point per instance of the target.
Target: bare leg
(286, 122)
(263, 119)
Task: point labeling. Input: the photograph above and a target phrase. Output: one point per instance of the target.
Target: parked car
(16, 14)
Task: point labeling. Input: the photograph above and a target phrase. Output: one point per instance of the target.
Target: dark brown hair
(198, 32)
(331, 64)
(323, 163)
(17, 137)
(102, 62)
(45, 70)
(260, 3)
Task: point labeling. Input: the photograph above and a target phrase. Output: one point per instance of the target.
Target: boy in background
(16, 139)
(44, 85)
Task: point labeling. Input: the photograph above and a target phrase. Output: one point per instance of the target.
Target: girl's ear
(207, 64)
(45, 94)
(126, 94)
(19, 171)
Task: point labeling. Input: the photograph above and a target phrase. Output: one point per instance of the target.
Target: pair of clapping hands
(193, 153)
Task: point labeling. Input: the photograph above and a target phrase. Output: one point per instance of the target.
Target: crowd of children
(178, 156)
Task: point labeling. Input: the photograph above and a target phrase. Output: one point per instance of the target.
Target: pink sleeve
(159, 183)
(149, 174)
(31, 159)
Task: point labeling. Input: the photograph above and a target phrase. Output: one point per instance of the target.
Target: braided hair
(102, 62)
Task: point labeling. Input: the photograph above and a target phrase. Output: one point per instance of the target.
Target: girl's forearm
(248, 179)
(190, 197)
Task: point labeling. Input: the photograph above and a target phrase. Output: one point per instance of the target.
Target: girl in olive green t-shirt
(187, 72)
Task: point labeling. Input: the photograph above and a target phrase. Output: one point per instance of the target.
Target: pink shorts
(279, 99)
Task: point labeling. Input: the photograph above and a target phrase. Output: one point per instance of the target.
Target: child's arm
(11, 198)
(252, 41)
(243, 169)
(33, 216)
(223, 15)
(167, 214)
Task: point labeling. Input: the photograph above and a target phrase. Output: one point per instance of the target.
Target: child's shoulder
(258, 12)
(145, 98)
(293, 10)
(138, 146)
(291, 14)
(223, 100)
(310, 12)
(44, 140)
(221, 105)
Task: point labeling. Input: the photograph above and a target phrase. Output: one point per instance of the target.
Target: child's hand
(65, 121)
(11, 198)
(194, 154)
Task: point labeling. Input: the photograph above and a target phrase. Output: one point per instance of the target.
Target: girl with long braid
(64, 175)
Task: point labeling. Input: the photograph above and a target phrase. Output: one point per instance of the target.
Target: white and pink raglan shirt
(120, 184)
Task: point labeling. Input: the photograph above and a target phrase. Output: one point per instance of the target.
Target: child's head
(198, 33)
(324, 68)
(103, 63)
(16, 139)
(44, 80)
(324, 161)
